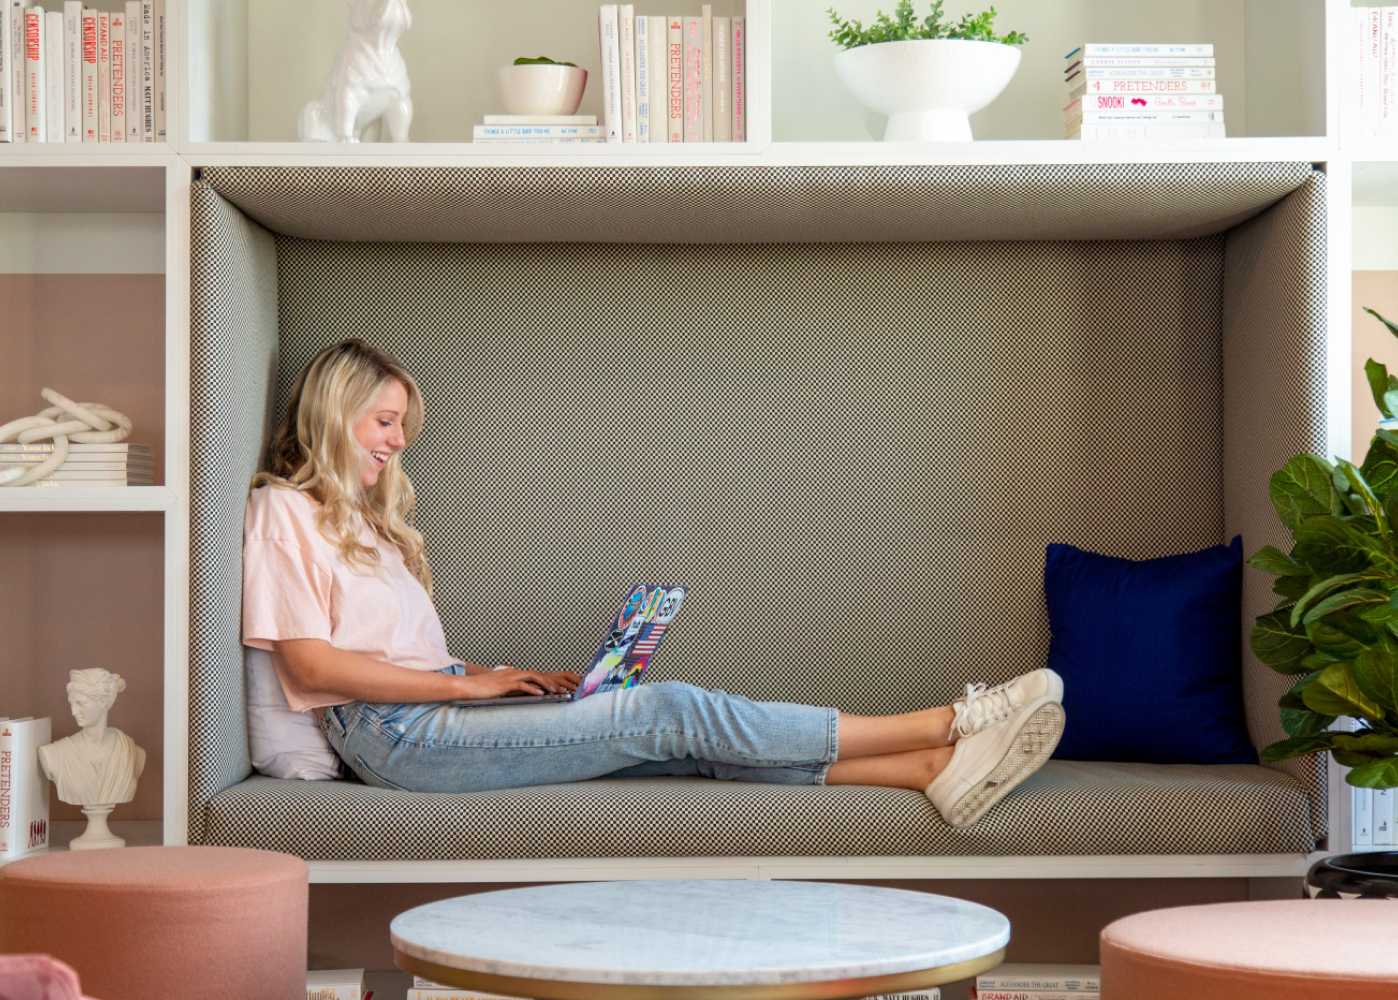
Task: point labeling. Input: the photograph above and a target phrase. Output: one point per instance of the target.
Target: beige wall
(1377, 290)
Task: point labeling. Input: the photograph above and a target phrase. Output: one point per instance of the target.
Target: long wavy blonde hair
(314, 451)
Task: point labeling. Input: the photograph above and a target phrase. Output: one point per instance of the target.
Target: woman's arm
(313, 665)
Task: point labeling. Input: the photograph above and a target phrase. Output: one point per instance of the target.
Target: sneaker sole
(1033, 744)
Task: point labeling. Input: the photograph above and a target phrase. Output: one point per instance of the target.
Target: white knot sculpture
(87, 423)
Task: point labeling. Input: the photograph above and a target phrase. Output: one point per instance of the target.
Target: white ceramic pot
(541, 89)
(928, 87)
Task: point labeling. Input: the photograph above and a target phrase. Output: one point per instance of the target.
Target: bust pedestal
(97, 835)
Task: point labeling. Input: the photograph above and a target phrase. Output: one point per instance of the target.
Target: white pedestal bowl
(927, 87)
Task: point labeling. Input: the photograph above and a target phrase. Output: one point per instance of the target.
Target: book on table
(24, 791)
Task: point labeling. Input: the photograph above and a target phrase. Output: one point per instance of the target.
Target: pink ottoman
(1278, 950)
(143, 923)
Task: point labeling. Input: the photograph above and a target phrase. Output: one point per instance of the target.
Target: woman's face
(87, 707)
(380, 430)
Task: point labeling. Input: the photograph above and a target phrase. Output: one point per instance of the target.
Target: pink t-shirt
(296, 586)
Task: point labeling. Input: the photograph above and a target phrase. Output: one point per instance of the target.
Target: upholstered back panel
(1274, 364)
(233, 363)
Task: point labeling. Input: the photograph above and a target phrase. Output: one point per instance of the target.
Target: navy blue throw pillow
(1149, 654)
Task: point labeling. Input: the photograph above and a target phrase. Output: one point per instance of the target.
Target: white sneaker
(982, 708)
(984, 767)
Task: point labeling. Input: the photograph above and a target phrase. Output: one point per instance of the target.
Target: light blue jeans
(645, 731)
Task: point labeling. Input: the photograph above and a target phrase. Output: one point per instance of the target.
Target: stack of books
(335, 984)
(82, 75)
(1019, 981)
(24, 791)
(539, 128)
(426, 989)
(1374, 817)
(674, 78)
(1374, 75)
(87, 465)
(1140, 91)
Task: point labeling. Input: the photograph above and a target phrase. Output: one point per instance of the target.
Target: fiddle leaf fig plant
(1335, 626)
(904, 26)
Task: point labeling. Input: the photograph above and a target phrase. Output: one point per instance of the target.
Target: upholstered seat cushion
(1067, 808)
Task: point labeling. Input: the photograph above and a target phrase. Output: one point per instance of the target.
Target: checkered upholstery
(875, 439)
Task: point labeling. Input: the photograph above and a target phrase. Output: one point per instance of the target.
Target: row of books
(673, 79)
(1142, 91)
(1039, 981)
(24, 791)
(1375, 813)
(1374, 75)
(82, 75)
(87, 465)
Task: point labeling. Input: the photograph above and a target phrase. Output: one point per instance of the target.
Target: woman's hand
(505, 681)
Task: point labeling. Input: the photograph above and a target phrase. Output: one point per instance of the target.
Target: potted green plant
(1335, 626)
(929, 74)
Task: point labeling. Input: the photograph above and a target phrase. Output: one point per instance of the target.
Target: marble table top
(702, 933)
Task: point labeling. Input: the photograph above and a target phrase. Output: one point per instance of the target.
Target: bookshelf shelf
(136, 833)
(113, 500)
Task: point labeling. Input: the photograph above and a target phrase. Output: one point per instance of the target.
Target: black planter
(1348, 876)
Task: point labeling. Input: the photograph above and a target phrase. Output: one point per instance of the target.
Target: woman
(336, 584)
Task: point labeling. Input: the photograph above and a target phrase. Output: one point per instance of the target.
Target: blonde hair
(314, 451)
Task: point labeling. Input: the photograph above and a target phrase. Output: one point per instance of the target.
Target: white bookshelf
(231, 92)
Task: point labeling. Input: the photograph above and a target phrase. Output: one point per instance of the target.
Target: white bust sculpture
(97, 767)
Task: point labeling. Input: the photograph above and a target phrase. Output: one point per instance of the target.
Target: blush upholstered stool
(149, 923)
(1274, 950)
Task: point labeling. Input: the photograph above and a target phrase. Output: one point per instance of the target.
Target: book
(723, 80)
(159, 82)
(538, 131)
(55, 78)
(487, 139)
(72, 71)
(147, 70)
(706, 78)
(104, 77)
(693, 79)
(77, 448)
(643, 79)
(609, 29)
(450, 993)
(658, 60)
(105, 467)
(1035, 995)
(539, 119)
(80, 480)
(89, 75)
(1383, 817)
(627, 34)
(133, 70)
(24, 791)
(1094, 49)
(13, 11)
(1034, 976)
(1150, 131)
(1142, 85)
(1139, 62)
(1145, 102)
(118, 76)
(36, 112)
(740, 79)
(335, 984)
(674, 75)
(1142, 73)
(7, 78)
(1363, 813)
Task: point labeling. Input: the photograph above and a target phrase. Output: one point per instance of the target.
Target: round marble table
(698, 940)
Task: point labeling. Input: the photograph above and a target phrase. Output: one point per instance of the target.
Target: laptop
(621, 663)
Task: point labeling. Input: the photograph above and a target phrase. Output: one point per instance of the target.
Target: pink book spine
(118, 76)
(1147, 102)
(740, 80)
(674, 78)
(89, 74)
(693, 79)
(34, 72)
(104, 77)
(1137, 85)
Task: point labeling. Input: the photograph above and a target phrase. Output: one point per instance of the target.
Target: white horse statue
(369, 82)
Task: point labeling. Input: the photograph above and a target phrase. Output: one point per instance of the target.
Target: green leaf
(1354, 758)
(1377, 376)
(1391, 327)
(1362, 487)
(1297, 746)
(1326, 586)
(1278, 645)
(1380, 466)
(1292, 698)
(1320, 659)
(1355, 597)
(1376, 672)
(1303, 722)
(1375, 774)
(1291, 587)
(540, 61)
(1333, 641)
(1302, 489)
(1381, 744)
(1334, 692)
(1270, 559)
(1330, 546)
(1380, 615)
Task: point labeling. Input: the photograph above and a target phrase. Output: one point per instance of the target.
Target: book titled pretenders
(24, 791)
(1141, 85)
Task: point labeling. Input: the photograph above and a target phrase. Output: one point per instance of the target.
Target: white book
(693, 79)
(1383, 817)
(7, 78)
(539, 131)
(706, 80)
(13, 12)
(24, 791)
(423, 983)
(609, 29)
(76, 448)
(1142, 117)
(1093, 49)
(1138, 85)
(118, 76)
(55, 78)
(73, 70)
(133, 71)
(643, 99)
(335, 984)
(1142, 73)
(159, 85)
(448, 993)
(1145, 102)
(674, 78)
(1035, 976)
(1155, 62)
(740, 79)
(129, 476)
(626, 24)
(36, 112)
(539, 119)
(104, 77)
(90, 112)
(1363, 810)
(1151, 132)
(657, 59)
(148, 70)
(1386, 115)
(723, 80)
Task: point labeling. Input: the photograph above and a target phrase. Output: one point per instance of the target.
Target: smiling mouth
(380, 458)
